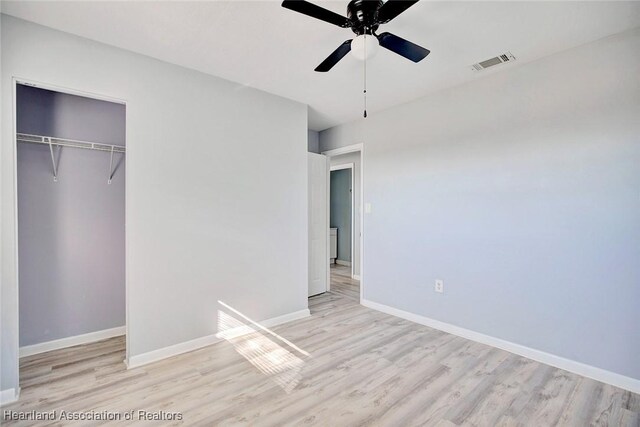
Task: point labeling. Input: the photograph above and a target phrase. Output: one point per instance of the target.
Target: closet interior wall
(71, 232)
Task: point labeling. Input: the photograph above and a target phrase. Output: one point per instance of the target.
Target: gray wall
(521, 191)
(45, 112)
(344, 159)
(340, 210)
(71, 232)
(216, 189)
(313, 141)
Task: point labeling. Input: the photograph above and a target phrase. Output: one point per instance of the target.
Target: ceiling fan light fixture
(364, 17)
(364, 46)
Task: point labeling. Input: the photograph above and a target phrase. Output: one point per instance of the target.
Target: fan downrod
(363, 15)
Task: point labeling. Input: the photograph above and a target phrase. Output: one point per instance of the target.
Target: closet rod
(47, 140)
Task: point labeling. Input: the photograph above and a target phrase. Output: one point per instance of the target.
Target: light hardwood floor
(342, 283)
(345, 365)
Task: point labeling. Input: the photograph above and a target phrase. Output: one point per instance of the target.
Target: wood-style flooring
(342, 283)
(346, 365)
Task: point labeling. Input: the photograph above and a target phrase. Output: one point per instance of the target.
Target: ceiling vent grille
(496, 60)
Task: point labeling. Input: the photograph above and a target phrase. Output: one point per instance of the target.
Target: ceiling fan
(363, 17)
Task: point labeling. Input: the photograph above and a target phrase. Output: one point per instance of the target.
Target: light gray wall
(344, 159)
(521, 191)
(71, 232)
(45, 112)
(313, 141)
(216, 189)
(340, 210)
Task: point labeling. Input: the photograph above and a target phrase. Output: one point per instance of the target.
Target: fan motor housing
(363, 15)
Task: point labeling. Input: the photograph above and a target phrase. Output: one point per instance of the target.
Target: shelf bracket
(53, 160)
(111, 171)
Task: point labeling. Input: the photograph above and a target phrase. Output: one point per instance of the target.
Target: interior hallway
(342, 283)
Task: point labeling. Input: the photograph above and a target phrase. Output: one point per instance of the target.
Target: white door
(318, 224)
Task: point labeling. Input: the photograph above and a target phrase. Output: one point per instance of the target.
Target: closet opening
(70, 177)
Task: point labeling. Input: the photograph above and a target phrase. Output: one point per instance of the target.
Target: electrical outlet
(439, 286)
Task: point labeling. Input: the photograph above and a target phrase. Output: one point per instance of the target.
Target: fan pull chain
(365, 73)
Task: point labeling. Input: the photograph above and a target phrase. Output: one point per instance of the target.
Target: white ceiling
(260, 44)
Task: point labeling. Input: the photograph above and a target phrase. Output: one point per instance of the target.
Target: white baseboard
(579, 368)
(30, 350)
(274, 321)
(344, 263)
(195, 344)
(356, 277)
(172, 350)
(9, 395)
(285, 318)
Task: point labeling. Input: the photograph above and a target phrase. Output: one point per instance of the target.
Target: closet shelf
(60, 142)
(49, 140)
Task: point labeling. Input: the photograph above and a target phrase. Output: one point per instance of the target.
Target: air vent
(505, 57)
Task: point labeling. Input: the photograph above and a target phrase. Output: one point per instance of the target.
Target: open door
(318, 167)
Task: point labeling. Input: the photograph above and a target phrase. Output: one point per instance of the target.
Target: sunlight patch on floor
(270, 353)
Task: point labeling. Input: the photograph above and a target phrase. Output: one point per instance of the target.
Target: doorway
(341, 216)
(346, 215)
(70, 156)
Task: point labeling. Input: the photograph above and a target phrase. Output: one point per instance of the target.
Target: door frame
(345, 150)
(353, 206)
(87, 94)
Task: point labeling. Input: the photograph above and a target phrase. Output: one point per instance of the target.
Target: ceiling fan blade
(317, 12)
(336, 56)
(393, 8)
(403, 47)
